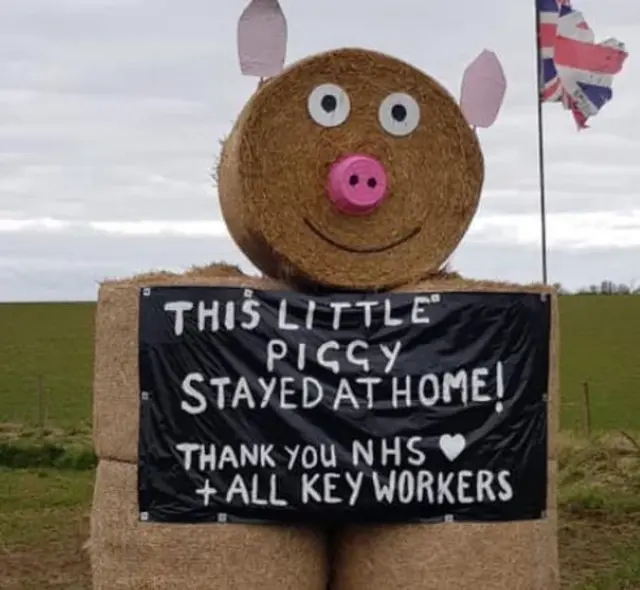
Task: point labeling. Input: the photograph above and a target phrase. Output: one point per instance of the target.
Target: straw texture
(462, 556)
(116, 380)
(510, 556)
(129, 555)
(273, 171)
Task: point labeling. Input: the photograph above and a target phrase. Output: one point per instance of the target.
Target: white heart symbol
(452, 446)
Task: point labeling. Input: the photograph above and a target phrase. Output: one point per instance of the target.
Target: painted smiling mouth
(363, 250)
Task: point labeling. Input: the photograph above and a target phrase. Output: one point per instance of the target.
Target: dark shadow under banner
(271, 406)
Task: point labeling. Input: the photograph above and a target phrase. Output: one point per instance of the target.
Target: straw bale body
(116, 403)
(273, 170)
(128, 554)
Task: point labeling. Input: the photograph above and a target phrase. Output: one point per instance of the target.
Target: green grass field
(46, 353)
(53, 342)
(600, 344)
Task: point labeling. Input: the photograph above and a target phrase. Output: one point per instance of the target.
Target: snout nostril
(353, 179)
(372, 183)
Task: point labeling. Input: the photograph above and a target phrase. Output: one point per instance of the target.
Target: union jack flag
(576, 72)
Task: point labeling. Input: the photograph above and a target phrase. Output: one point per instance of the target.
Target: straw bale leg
(449, 557)
(470, 556)
(129, 555)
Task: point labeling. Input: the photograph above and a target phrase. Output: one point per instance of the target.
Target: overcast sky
(111, 112)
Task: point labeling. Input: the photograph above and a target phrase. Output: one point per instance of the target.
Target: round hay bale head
(350, 169)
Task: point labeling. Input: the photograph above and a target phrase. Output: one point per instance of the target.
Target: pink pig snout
(357, 184)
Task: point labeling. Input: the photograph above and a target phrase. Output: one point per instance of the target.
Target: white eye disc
(329, 105)
(399, 114)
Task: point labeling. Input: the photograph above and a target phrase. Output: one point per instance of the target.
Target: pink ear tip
(262, 39)
(483, 89)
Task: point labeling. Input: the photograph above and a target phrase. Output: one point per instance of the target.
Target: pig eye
(329, 105)
(399, 114)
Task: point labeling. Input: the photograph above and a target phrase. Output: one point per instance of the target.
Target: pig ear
(483, 89)
(262, 39)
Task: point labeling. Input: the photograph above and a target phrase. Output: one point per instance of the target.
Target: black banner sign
(270, 406)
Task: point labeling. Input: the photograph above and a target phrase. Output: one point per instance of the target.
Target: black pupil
(329, 103)
(399, 113)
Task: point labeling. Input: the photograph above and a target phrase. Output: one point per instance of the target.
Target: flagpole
(543, 205)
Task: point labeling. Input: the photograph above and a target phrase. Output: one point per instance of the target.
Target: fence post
(587, 408)
(42, 404)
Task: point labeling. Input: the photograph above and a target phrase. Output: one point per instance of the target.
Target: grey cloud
(112, 110)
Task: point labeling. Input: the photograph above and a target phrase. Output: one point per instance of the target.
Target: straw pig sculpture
(348, 170)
